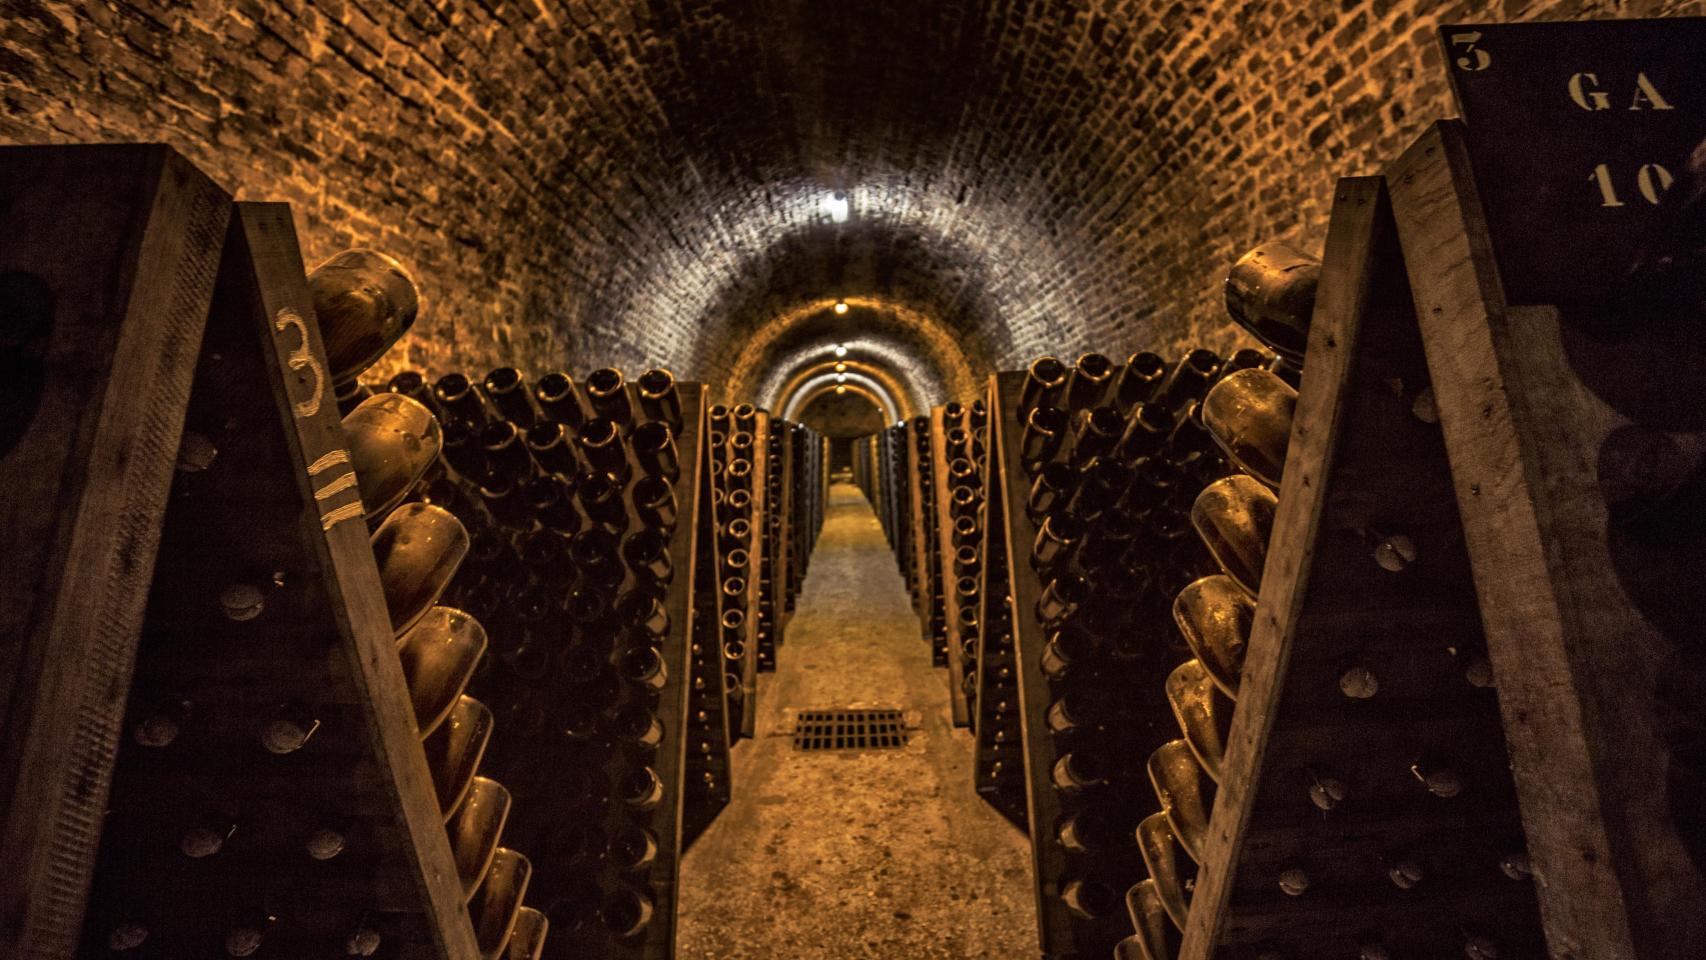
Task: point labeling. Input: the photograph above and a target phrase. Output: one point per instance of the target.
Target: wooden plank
(708, 707)
(1589, 630)
(940, 424)
(263, 402)
(1342, 300)
(108, 256)
(1002, 788)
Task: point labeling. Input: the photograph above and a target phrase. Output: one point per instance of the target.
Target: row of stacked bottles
(584, 496)
(550, 554)
(580, 498)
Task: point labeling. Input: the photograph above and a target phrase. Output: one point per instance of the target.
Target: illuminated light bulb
(840, 390)
(837, 207)
(840, 307)
(841, 378)
(841, 349)
(841, 368)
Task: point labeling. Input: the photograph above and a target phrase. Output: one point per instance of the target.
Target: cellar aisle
(841, 855)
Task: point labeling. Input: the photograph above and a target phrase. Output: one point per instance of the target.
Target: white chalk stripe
(336, 487)
(328, 461)
(348, 511)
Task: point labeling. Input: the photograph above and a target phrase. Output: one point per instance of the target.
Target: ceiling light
(837, 207)
(841, 368)
(840, 306)
(841, 349)
(841, 378)
(840, 389)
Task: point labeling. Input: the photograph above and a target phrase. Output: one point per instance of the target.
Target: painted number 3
(1470, 58)
(301, 358)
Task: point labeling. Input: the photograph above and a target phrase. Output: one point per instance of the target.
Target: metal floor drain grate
(849, 729)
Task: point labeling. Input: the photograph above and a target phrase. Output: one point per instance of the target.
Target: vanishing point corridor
(856, 854)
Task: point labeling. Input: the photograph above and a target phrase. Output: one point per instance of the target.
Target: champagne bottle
(641, 790)
(1138, 380)
(1235, 517)
(454, 750)
(550, 499)
(1270, 292)
(1215, 616)
(642, 613)
(392, 440)
(600, 444)
(633, 849)
(439, 654)
(635, 723)
(1094, 433)
(475, 828)
(551, 447)
(350, 395)
(654, 447)
(659, 399)
(1249, 416)
(507, 391)
(1186, 794)
(1061, 599)
(626, 912)
(1049, 491)
(1045, 427)
(1067, 645)
(1058, 536)
(646, 552)
(456, 399)
(555, 395)
(364, 302)
(608, 391)
(528, 940)
(460, 447)
(600, 496)
(1103, 484)
(506, 452)
(417, 549)
(498, 900)
(1089, 380)
(1167, 865)
(1190, 377)
(1079, 771)
(1044, 382)
(1145, 432)
(1089, 900)
(654, 502)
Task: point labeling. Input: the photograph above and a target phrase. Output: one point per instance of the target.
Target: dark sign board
(1580, 134)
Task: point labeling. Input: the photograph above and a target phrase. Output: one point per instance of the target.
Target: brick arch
(624, 183)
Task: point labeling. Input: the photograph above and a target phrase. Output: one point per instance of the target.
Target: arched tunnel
(861, 224)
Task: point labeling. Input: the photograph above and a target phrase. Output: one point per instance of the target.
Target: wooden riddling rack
(235, 395)
(765, 512)
(958, 457)
(794, 478)
(1576, 752)
(553, 575)
(1048, 690)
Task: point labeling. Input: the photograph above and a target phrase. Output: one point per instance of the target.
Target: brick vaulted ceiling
(637, 183)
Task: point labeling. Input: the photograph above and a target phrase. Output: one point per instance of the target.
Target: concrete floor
(834, 856)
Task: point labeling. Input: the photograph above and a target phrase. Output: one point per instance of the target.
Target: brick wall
(578, 185)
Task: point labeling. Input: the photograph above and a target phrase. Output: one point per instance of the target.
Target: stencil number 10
(1652, 180)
